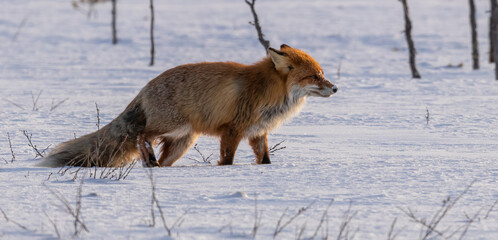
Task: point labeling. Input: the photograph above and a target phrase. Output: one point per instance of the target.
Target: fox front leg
(146, 152)
(259, 145)
(228, 146)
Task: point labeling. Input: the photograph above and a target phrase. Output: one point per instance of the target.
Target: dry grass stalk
(276, 148)
(346, 222)
(155, 201)
(38, 153)
(53, 107)
(299, 234)
(204, 159)
(281, 226)
(14, 222)
(11, 150)
(53, 225)
(257, 218)
(13, 103)
(391, 235)
(35, 100)
(324, 217)
(75, 212)
(490, 209)
(430, 228)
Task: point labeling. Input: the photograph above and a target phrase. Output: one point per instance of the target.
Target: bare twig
(11, 151)
(301, 231)
(392, 235)
(490, 209)
(53, 224)
(324, 216)
(13, 103)
(276, 147)
(203, 157)
(427, 115)
(281, 226)
(30, 143)
(21, 25)
(12, 221)
(339, 69)
(262, 40)
(53, 107)
(431, 227)
(79, 225)
(35, 100)
(155, 201)
(257, 218)
(346, 220)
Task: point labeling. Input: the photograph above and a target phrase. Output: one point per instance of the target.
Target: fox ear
(280, 59)
(284, 46)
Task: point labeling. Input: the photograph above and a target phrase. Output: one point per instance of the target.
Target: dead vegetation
(155, 202)
(34, 102)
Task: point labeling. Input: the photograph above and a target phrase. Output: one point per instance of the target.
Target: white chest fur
(273, 116)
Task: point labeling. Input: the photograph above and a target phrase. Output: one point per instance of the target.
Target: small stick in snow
(53, 107)
(276, 147)
(346, 221)
(11, 151)
(427, 115)
(21, 25)
(392, 236)
(79, 225)
(430, 227)
(281, 227)
(257, 218)
(13, 103)
(35, 101)
(490, 209)
(12, 221)
(204, 158)
(30, 143)
(324, 216)
(53, 224)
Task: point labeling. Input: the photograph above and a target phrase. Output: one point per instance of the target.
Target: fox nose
(334, 89)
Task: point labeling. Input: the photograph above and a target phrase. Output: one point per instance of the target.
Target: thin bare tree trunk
(492, 32)
(152, 47)
(495, 18)
(114, 35)
(262, 40)
(409, 40)
(473, 28)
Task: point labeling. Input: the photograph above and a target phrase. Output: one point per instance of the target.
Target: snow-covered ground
(369, 147)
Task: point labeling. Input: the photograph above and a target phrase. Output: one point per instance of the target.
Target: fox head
(301, 71)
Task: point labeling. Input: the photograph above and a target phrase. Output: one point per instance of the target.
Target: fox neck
(278, 100)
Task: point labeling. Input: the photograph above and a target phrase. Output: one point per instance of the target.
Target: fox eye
(290, 67)
(315, 77)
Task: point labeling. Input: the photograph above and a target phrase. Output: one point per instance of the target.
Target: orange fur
(230, 100)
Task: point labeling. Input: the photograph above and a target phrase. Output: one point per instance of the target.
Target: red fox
(230, 100)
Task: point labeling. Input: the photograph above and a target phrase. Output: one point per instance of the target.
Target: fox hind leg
(146, 152)
(174, 148)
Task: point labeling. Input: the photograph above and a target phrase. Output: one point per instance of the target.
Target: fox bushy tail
(113, 145)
